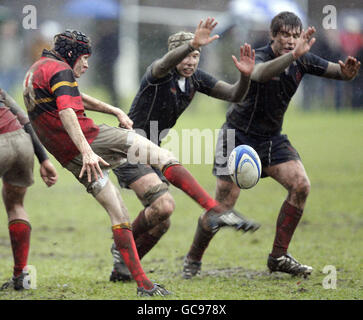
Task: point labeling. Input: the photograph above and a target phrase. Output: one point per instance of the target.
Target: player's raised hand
(246, 62)
(350, 67)
(304, 42)
(202, 33)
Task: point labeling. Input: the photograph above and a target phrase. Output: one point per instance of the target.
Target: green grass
(71, 233)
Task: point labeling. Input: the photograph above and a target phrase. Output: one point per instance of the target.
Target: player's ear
(270, 35)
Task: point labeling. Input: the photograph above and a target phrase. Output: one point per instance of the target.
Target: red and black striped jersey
(49, 87)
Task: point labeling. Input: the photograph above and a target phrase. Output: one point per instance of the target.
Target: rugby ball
(244, 166)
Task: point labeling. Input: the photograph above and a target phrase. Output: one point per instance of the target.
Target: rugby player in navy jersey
(257, 121)
(167, 88)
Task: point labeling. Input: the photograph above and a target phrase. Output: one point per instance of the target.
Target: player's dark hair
(72, 44)
(285, 19)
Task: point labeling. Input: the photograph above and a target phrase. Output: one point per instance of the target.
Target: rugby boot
(286, 263)
(120, 271)
(17, 283)
(191, 268)
(230, 218)
(156, 290)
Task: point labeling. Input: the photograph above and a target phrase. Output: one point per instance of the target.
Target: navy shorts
(128, 173)
(272, 150)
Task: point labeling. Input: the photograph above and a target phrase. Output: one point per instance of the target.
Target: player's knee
(301, 188)
(13, 196)
(163, 206)
(155, 195)
(98, 185)
(162, 227)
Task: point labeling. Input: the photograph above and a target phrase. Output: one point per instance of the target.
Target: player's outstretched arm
(171, 59)
(347, 70)
(265, 71)
(245, 65)
(91, 160)
(91, 103)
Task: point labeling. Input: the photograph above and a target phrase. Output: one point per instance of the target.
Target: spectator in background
(351, 40)
(10, 55)
(43, 39)
(321, 91)
(107, 39)
(357, 85)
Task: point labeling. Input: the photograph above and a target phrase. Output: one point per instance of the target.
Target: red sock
(287, 222)
(19, 231)
(144, 243)
(182, 179)
(200, 243)
(126, 245)
(140, 225)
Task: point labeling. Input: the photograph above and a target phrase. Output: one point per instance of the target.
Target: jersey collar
(49, 54)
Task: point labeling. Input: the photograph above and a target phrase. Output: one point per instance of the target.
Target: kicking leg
(180, 177)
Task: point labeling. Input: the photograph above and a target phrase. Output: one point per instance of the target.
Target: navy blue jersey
(262, 111)
(162, 100)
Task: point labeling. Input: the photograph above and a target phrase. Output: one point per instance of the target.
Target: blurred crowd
(20, 48)
(335, 45)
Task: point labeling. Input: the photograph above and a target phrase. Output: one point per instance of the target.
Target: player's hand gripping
(202, 33)
(48, 173)
(350, 67)
(91, 165)
(304, 43)
(246, 62)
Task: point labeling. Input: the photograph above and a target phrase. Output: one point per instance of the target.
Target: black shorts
(128, 173)
(273, 150)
